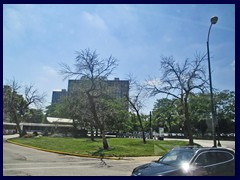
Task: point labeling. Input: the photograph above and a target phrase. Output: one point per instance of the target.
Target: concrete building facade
(115, 88)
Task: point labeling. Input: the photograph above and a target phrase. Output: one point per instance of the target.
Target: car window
(171, 156)
(177, 157)
(201, 160)
(209, 158)
(223, 156)
(206, 158)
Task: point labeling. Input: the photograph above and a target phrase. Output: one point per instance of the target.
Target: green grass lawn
(120, 147)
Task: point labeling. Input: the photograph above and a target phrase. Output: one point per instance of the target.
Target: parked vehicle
(191, 161)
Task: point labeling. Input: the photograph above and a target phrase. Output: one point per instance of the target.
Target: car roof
(217, 149)
(200, 148)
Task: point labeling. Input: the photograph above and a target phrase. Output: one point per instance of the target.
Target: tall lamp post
(214, 20)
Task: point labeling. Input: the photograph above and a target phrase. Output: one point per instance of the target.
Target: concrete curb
(64, 153)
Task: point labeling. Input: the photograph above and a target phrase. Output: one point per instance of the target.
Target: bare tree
(95, 71)
(19, 104)
(136, 102)
(33, 97)
(179, 81)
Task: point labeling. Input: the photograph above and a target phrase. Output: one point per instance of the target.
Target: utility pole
(213, 21)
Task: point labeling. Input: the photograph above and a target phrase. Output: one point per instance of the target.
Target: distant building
(115, 88)
(120, 88)
(57, 95)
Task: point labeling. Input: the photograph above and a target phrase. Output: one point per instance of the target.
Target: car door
(225, 163)
(215, 163)
(199, 165)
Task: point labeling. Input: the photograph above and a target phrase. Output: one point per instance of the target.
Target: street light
(214, 20)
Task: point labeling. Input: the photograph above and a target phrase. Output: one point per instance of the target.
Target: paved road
(22, 161)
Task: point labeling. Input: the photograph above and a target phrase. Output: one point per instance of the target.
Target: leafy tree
(133, 123)
(202, 126)
(74, 106)
(200, 109)
(225, 108)
(34, 116)
(164, 112)
(117, 113)
(7, 91)
(54, 110)
(146, 122)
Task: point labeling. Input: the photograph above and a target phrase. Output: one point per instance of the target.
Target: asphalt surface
(22, 161)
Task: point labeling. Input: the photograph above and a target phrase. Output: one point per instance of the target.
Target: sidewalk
(5, 137)
(209, 143)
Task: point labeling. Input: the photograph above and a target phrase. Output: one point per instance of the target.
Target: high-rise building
(57, 95)
(119, 88)
(114, 88)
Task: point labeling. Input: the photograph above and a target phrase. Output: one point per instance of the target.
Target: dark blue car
(191, 161)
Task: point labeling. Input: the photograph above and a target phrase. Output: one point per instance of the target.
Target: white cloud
(94, 20)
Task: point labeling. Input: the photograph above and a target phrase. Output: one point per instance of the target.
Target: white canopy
(59, 120)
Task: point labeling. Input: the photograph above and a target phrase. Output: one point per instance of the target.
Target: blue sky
(36, 38)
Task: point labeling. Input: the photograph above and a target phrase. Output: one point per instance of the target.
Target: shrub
(35, 133)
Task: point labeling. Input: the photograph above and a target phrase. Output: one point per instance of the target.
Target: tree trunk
(143, 133)
(105, 143)
(17, 124)
(188, 123)
(92, 132)
(97, 122)
(19, 130)
(139, 118)
(169, 124)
